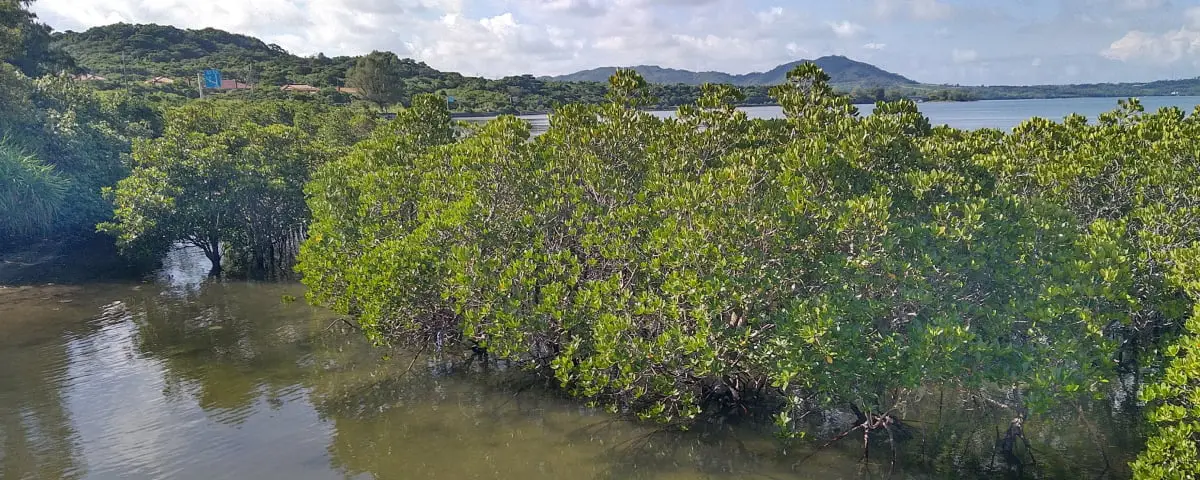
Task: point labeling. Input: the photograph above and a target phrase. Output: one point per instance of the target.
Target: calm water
(1002, 114)
(183, 377)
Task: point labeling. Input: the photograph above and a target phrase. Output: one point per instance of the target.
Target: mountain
(128, 55)
(844, 72)
(161, 50)
(122, 47)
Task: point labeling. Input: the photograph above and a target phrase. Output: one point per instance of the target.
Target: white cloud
(1142, 4)
(1166, 48)
(545, 37)
(231, 15)
(1193, 16)
(915, 9)
(770, 16)
(845, 29)
(799, 51)
(964, 55)
(586, 8)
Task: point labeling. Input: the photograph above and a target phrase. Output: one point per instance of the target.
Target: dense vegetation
(1131, 181)
(230, 173)
(1190, 86)
(712, 264)
(59, 144)
(702, 266)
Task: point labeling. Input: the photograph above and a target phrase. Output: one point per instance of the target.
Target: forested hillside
(843, 73)
(124, 53)
(162, 50)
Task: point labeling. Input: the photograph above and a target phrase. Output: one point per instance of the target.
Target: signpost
(212, 79)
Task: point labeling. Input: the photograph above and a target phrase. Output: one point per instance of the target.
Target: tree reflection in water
(37, 438)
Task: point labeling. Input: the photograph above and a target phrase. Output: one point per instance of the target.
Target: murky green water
(184, 378)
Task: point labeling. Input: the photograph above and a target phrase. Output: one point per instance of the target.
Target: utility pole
(200, 84)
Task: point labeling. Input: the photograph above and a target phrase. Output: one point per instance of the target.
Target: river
(1001, 114)
(184, 377)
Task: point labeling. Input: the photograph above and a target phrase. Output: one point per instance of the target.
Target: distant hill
(125, 54)
(844, 72)
(154, 50)
(165, 50)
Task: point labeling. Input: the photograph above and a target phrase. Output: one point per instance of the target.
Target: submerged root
(879, 425)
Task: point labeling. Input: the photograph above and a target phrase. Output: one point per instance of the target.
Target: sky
(968, 42)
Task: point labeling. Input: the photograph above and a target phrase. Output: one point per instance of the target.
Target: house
(300, 88)
(350, 90)
(87, 77)
(234, 85)
(160, 81)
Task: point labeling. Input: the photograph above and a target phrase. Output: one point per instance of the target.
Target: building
(234, 85)
(161, 81)
(350, 90)
(299, 88)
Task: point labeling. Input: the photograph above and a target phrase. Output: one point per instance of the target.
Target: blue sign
(449, 99)
(212, 79)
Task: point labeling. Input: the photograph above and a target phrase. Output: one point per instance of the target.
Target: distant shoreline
(490, 115)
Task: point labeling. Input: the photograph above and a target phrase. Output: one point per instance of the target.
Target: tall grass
(31, 193)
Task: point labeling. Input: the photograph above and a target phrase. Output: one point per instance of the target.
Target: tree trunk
(214, 255)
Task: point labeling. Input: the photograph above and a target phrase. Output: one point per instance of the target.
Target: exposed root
(870, 423)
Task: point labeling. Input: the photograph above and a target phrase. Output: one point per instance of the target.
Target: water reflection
(36, 435)
(183, 376)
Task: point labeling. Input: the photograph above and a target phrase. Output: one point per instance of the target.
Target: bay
(999, 114)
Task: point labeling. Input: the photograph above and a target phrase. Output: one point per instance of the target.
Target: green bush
(710, 263)
(675, 266)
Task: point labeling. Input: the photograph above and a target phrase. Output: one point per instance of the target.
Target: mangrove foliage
(713, 265)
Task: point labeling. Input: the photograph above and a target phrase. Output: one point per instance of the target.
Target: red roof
(233, 85)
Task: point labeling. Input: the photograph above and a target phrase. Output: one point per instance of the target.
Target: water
(1001, 114)
(184, 377)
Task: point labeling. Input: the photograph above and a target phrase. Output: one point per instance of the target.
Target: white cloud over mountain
(961, 41)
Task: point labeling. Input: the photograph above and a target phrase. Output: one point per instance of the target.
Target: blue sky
(942, 41)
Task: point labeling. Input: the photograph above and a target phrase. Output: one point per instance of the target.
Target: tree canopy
(25, 43)
(711, 263)
(380, 78)
(60, 141)
(229, 174)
